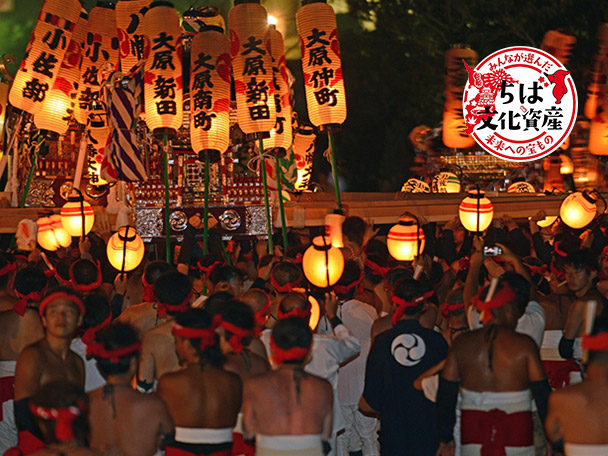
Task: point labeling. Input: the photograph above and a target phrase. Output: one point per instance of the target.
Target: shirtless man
(69, 438)
(47, 360)
(7, 274)
(288, 410)
(259, 302)
(143, 317)
(173, 293)
(203, 398)
(496, 369)
(121, 419)
(578, 414)
(581, 271)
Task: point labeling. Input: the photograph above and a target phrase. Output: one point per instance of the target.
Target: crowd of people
(458, 352)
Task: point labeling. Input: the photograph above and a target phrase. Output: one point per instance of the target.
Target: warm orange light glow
(547, 221)
(51, 234)
(315, 313)
(333, 229)
(71, 216)
(323, 264)
(476, 211)
(578, 210)
(131, 254)
(405, 240)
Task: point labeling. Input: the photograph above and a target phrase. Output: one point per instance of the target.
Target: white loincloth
(203, 435)
(7, 368)
(508, 402)
(578, 449)
(288, 445)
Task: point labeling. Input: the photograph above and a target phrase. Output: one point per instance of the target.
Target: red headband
(464, 263)
(558, 250)
(163, 308)
(505, 295)
(238, 334)
(403, 304)
(260, 315)
(343, 289)
(100, 351)
(299, 258)
(447, 308)
(376, 269)
(61, 280)
(560, 275)
(24, 299)
(148, 294)
(605, 250)
(61, 295)
(208, 269)
(538, 270)
(206, 335)
(295, 312)
(88, 338)
(287, 288)
(7, 268)
(64, 417)
(598, 342)
(83, 288)
(281, 355)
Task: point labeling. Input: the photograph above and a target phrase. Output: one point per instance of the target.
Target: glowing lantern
(125, 249)
(252, 68)
(210, 91)
(51, 233)
(333, 229)
(321, 64)
(454, 135)
(406, 240)
(547, 221)
(303, 149)
(414, 185)
(521, 187)
(97, 140)
(58, 106)
(99, 60)
(77, 216)
(559, 45)
(476, 211)
(133, 45)
(323, 264)
(578, 210)
(597, 72)
(44, 54)
(446, 182)
(281, 136)
(315, 312)
(598, 135)
(163, 98)
(566, 165)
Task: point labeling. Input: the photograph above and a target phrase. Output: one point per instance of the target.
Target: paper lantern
(547, 221)
(323, 264)
(99, 60)
(414, 185)
(454, 135)
(321, 64)
(315, 312)
(456, 74)
(132, 43)
(281, 136)
(74, 213)
(125, 249)
(446, 182)
(51, 233)
(598, 135)
(406, 240)
(98, 135)
(476, 211)
(521, 187)
(304, 150)
(559, 45)
(252, 68)
(58, 106)
(578, 210)
(210, 91)
(598, 70)
(44, 54)
(163, 78)
(333, 229)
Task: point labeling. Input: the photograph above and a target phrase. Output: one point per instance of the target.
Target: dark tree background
(394, 74)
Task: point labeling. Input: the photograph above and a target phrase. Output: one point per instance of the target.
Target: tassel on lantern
(44, 54)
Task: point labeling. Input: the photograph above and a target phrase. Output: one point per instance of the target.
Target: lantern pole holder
(126, 239)
(165, 133)
(403, 221)
(280, 152)
(324, 248)
(79, 198)
(260, 137)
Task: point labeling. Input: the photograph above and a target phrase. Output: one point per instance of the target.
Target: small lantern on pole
(77, 216)
(405, 240)
(580, 208)
(51, 233)
(125, 249)
(476, 211)
(322, 263)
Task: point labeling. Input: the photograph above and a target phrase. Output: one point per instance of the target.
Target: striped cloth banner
(123, 159)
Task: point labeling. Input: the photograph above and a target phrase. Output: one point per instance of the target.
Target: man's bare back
(142, 317)
(198, 397)
(17, 332)
(7, 302)
(273, 406)
(157, 353)
(246, 364)
(117, 417)
(79, 451)
(515, 360)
